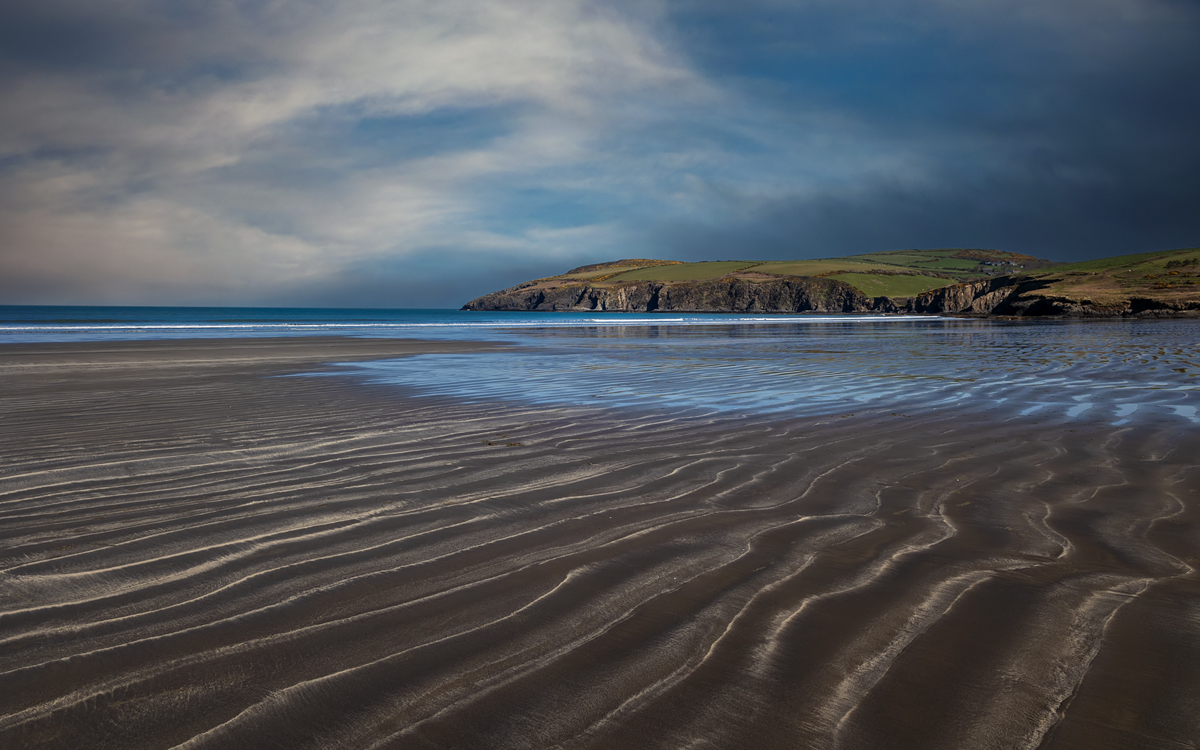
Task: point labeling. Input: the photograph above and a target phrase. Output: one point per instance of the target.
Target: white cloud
(238, 151)
(129, 170)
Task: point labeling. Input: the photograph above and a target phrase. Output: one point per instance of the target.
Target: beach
(230, 543)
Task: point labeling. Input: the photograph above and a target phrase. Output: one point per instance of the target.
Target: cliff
(1007, 295)
(789, 295)
(1025, 296)
(1154, 284)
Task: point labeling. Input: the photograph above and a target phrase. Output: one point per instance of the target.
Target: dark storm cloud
(420, 153)
(1042, 218)
(1068, 132)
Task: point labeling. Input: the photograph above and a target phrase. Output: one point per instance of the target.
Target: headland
(954, 282)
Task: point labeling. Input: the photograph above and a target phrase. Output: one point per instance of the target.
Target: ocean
(1115, 372)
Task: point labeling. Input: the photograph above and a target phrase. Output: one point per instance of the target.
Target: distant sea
(1115, 372)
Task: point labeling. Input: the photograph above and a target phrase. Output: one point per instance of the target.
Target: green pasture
(859, 265)
(953, 264)
(1123, 276)
(880, 285)
(812, 267)
(597, 272)
(928, 260)
(686, 271)
(1135, 263)
(897, 258)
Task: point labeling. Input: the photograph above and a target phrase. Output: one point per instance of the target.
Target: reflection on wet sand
(1120, 371)
(204, 557)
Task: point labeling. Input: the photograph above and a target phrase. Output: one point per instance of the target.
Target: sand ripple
(235, 562)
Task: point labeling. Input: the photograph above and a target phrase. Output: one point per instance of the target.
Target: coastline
(194, 553)
(1143, 315)
(250, 353)
(1006, 296)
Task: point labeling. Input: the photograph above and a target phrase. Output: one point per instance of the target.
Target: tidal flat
(231, 544)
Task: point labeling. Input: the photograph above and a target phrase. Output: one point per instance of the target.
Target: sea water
(1117, 371)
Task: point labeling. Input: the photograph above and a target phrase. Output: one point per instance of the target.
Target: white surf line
(734, 319)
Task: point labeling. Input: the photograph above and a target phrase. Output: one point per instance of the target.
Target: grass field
(898, 258)
(1136, 263)
(879, 285)
(859, 274)
(1124, 276)
(813, 267)
(956, 264)
(596, 272)
(928, 260)
(1102, 281)
(714, 269)
(686, 271)
(857, 266)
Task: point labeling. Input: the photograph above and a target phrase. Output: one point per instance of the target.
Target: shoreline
(1145, 315)
(195, 553)
(262, 351)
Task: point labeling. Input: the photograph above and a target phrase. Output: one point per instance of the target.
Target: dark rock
(1020, 296)
(791, 295)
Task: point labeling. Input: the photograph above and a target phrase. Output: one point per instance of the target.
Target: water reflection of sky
(1117, 371)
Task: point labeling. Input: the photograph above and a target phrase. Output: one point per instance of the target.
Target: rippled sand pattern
(1119, 371)
(206, 558)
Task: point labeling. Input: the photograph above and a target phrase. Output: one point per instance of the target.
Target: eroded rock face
(1007, 295)
(1023, 297)
(719, 295)
(979, 297)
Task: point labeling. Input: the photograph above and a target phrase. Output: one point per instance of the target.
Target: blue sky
(418, 154)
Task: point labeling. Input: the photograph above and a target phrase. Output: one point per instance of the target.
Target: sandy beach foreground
(195, 554)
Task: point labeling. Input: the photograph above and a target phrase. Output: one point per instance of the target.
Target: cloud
(222, 147)
(1063, 127)
(410, 153)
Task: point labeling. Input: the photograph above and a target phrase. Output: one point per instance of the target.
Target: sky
(413, 153)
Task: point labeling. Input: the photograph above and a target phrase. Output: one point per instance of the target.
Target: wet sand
(195, 554)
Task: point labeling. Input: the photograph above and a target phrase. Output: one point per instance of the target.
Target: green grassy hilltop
(956, 281)
(900, 273)
(1169, 276)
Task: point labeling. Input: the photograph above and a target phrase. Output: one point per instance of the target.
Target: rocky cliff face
(720, 295)
(1007, 295)
(1022, 296)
